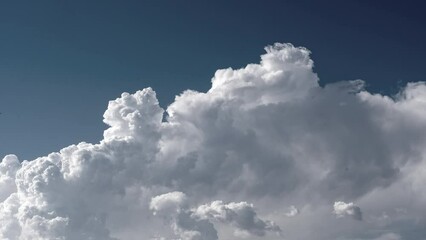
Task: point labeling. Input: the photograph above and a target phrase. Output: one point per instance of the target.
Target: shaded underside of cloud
(231, 162)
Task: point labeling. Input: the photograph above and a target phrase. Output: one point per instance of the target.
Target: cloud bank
(229, 163)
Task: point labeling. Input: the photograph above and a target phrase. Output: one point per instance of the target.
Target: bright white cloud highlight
(342, 209)
(262, 138)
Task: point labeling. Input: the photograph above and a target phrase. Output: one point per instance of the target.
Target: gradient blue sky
(61, 61)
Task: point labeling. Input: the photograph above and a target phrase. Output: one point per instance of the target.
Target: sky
(196, 120)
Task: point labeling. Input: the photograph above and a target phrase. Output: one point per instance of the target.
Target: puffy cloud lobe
(173, 207)
(133, 116)
(285, 73)
(195, 223)
(68, 195)
(241, 215)
(8, 167)
(168, 203)
(9, 225)
(342, 209)
(267, 134)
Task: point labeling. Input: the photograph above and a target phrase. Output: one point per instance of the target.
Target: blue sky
(61, 61)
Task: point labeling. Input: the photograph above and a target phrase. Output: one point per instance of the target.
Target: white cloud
(267, 134)
(191, 224)
(8, 167)
(241, 215)
(172, 207)
(342, 209)
(168, 203)
(292, 211)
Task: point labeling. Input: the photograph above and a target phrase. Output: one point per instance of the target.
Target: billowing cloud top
(230, 163)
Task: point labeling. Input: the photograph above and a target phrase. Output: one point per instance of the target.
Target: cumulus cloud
(8, 167)
(342, 209)
(195, 223)
(241, 215)
(171, 206)
(168, 203)
(267, 134)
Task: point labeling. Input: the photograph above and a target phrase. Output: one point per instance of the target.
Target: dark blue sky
(61, 61)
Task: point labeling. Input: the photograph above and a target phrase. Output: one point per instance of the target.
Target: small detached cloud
(342, 209)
